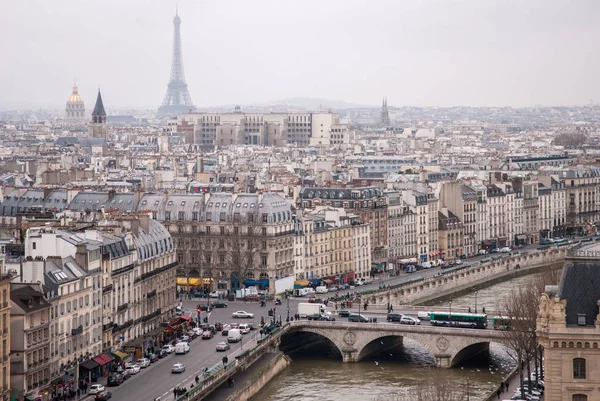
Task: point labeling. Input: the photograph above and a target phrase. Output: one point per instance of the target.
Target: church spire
(99, 108)
(385, 115)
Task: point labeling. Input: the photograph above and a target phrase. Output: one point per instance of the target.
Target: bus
(501, 322)
(471, 320)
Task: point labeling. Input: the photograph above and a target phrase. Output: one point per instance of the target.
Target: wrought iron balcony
(151, 294)
(77, 331)
(123, 307)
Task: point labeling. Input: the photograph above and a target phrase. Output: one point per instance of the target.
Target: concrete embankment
(465, 289)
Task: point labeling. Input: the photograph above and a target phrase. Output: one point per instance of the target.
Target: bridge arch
(384, 341)
(470, 348)
(307, 338)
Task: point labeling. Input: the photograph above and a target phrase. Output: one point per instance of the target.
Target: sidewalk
(240, 378)
(513, 385)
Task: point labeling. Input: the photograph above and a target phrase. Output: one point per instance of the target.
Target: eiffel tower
(177, 99)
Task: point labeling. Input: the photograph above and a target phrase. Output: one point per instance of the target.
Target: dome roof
(75, 98)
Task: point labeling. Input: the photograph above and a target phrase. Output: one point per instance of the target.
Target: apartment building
(531, 211)
(419, 205)
(225, 239)
(545, 212)
(496, 213)
(5, 308)
(332, 246)
(582, 186)
(30, 352)
(451, 234)
(368, 203)
(461, 200)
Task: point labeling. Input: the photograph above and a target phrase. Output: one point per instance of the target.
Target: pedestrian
(483, 310)
(502, 386)
(230, 382)
(469, 309)
(197, 380)
(506, 384)
(174, 392)
(498, 393)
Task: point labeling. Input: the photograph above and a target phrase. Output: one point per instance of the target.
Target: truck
(305, 309)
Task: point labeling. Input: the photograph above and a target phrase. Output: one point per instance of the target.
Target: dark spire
(99, 108)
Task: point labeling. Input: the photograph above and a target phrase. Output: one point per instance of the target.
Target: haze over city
(474, 53)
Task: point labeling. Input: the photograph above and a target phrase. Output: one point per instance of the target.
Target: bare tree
(521, 309)
(244, 243)
(209, 256)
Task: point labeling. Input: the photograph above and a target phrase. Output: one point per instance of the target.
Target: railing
(123, 326)
(107, 288)
(123, 308)
(152, 315)
(156, 271)
(151, 294)
(108, 326)
(122, 270)
(77, 331)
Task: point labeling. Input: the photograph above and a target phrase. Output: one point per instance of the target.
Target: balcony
(123, 308)
(122, 270)
(151, 294)
(108, 326)
(77, 331)
(156, 271)
(152, 315)
(107, 288)
(123, 326)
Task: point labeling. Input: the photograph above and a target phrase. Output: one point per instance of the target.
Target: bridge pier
(349, 354)
(443, 360)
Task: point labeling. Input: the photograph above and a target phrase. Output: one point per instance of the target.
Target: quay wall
(261, 378)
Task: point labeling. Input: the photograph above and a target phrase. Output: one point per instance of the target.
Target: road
(158, 381)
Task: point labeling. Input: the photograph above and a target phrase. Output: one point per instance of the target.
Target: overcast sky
(423, 53)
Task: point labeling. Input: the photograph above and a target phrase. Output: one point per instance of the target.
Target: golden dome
(75, 98)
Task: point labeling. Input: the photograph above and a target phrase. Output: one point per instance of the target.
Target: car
(114, 380)
(162, 353)
(132, 368)
(104, 395)
(244, 328)
(143, 363)
(185, 338)
(409, 320)
(458, 261)
(242, 315)
(219, 304)
(482, 252)
(178, 368)
(225, 330)
(355, 317)
(394, 317)
(207, 335)
(204, 307)
(179, 311)
(223, 346)
(254, 298)
(344, 313)
(506, 249)
(169, 349)
(153, 358)
(95, 389)
(125, 373)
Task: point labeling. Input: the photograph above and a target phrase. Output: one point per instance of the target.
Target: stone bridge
(355, 341)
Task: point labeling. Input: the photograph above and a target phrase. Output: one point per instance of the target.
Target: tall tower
(98, 128)
(75, 110)
(177, 99)
(385, 115)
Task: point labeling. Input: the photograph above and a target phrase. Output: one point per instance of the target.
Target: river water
(311, 377)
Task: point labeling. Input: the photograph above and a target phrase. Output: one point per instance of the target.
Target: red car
(207, 335)
(252, 298)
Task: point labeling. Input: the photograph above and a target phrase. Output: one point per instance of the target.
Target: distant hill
(313, 103)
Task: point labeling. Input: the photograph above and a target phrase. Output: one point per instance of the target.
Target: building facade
(75, 109)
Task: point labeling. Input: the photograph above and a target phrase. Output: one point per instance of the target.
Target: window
(167, 216)
(578, 368)
(263, 260)
(579, 397)
(34, 245)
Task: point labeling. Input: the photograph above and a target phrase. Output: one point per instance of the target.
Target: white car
(506, 249)
(132, 368)
(95, 389)
(409, 320)
(169, 349)
(143, 362)
(242, 315)
(178, 368)
(244, 328)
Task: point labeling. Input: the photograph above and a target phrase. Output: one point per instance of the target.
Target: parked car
(178, 311)
(242, 315)
(344, 313)
(394, 317)
(168, 349)
(185, 338)
(125, 373)
(219, 304)
(409, 320)
(162, 353)
(207, 335)
(95, 389)
(482, 252)
(104, 395)
(132, 368)
(153, 358)
(178, 368)
(203, 307)
(255, 298)
(223, 346)
(114, 380)
(225, 330)
(143, 362)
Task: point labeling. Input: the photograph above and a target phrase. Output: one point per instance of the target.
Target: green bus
(501, 322)
(471, 320)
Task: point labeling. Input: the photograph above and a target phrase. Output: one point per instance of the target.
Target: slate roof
(21, 297)
(99, 108)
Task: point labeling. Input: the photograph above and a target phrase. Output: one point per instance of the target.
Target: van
(321, 290)
(234, 336)
(244, 328)
(182, 348)
(423, 315)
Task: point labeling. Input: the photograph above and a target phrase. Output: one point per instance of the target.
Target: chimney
(47, 192)
(144, 222)
(135, 226)
(81, 256)
(111, 195)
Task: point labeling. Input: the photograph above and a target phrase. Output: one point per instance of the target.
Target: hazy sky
(478, 53)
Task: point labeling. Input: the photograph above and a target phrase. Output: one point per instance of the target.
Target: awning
(327, 281)
(194, 281)
(103, 359)
(315, 280)
(301, 283)
(186, 318)
(252, 283)
(120, 355)
(90, 364)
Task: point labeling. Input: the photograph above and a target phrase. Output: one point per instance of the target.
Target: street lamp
(287, 297)
(476, 300)
(450, 313)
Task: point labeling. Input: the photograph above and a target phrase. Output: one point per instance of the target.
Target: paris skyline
(426, 54)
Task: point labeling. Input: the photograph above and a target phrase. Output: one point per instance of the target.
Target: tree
(521, 309)
(243, 246)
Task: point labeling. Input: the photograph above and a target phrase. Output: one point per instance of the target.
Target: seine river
(321, 379)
